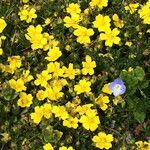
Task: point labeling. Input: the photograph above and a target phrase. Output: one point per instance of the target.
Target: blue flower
(117, 86)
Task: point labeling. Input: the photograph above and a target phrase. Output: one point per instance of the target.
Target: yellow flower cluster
(27, 13)
(83, 34)
(57, 77)
(35, 36)
(14, 62)
(101, 22)
(74, 11)
(41, 111)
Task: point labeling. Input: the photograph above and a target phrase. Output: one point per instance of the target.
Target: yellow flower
(132, 7)
(6, 137)
(14, 62)
(1, 51)
(83, 86)
(71, 122)
(88, 66)
(54, 54)
(128, 43)
(17, 85)
(103, 141)
(47, 110)
(42, 78)
(130, 69)
(117, 100)
(99, 3)
(26, 77)
(6, 68)
(83, 35)
(2, 38)
(90, 121)
(25, 1)
(51, 42)
(37, 115)
(31, 14)
(60, 111)
(27, 13)
(55, 69)
(86, 11)
(83, 109)
(102, 101)
(110, 37)
(68, 48)
(47, 21)
(142, 145)
(118, 22)
(48, 146)
(106, 90)
(102, 22)
(41, 95)
(2, 25)
(25, 100)
(73, 8)
(35, 36)
(69, 72)
(72, 21)
(144, 14)
(65, 148)
(59, 83)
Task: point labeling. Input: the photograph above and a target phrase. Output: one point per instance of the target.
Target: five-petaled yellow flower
(83, 86)
(83, 35)
(102, 101)
(110, 37)
(90, 121)
(103, 140)
(102, 23)
(88, 66)
(25, 100)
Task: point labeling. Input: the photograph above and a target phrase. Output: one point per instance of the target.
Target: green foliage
(121, 120)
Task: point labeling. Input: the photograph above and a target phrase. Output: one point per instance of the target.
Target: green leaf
(139, 116)
(139, 73)
(144, 84)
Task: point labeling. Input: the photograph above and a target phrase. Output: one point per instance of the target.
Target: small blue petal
(116, 93)
(123, 89)
(112, 86)
(118, 81)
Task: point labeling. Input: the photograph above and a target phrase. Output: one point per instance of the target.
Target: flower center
(118, 87)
